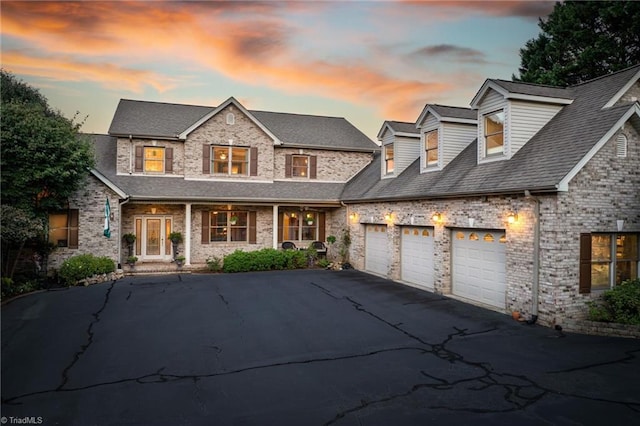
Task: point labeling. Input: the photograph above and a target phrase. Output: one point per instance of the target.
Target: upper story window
(494, 133)
(154, 159)
(388, 159)
(228, 160)
(431, 148)
(300, 166)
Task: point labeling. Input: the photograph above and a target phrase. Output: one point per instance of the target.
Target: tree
(581, 41)
(43, 160)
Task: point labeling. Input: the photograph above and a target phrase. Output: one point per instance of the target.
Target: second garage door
(478, 266)
(416, 256)
(376, 256)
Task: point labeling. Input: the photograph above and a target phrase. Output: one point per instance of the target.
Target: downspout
(535, 286)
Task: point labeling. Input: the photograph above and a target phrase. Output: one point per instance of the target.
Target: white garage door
(376, 256)
(478, 266)
(416, 256)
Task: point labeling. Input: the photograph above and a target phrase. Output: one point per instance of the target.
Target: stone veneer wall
(605, 190)
(216, 131)
(90, 201)
(338, 166)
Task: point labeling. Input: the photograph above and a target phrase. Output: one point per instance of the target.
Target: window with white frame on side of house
(608, 259)
(494, 133)
(63, 228)
(300, 166)
(229, 160)
(153, 159)
(388, 159)
(431, 148)
(228, 226)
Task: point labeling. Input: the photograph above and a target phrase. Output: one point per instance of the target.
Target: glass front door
(153, 233)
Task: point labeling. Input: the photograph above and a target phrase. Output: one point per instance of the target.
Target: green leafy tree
(43, 160)
(581, 41)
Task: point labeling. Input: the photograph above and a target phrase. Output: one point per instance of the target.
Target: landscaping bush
(83, 266)
(264, 260)
(11, 288)
(214, 264)
(620, 304)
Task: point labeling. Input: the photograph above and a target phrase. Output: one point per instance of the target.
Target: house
(527, 201)
(224, 177)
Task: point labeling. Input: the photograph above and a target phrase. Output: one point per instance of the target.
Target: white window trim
(423, 150)
(229, 160)
(293, 167)
(144, 160)
(385, 171)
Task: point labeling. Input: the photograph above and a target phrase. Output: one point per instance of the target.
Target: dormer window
(431, 148)
(494, 133)
(388, 159)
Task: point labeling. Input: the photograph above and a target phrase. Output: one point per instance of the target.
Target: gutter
(535, 285)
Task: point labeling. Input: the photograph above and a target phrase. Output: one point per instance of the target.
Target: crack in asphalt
(83, 348)
(629, 357)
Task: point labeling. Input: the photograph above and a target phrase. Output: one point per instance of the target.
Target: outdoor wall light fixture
(353, 216)
(512, 217)
(437, 217)
(388, 217)
(153, 210)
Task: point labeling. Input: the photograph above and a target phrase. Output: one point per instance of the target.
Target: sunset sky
(367, 61)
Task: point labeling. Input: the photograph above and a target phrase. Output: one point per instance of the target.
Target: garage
(376, 256)
(478, 266)
(416, 256)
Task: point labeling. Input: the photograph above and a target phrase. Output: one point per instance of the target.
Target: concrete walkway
(299, 348)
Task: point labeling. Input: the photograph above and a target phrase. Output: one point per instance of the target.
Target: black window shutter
(287, 165)
(138, 159)
(73, 220)
(280, 226)
(206, 159)
(253, 162)
(252, 228)
(205, 227)
(168, 160)
(321, 226)
(313, 165)
(585, 263)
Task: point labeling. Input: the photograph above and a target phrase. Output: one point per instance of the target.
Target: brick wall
(337, 166)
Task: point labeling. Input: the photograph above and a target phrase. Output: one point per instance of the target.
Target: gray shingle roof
(154, 119)
(534, 89)
(540, 165)
(315, 131)
(403, 127)
(455, 112)
(165, 120)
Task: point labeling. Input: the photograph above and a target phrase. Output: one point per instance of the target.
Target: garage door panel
(478, 266)
(376, 249)
(416, 256)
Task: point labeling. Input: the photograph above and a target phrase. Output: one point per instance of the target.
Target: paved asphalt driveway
(299, 348)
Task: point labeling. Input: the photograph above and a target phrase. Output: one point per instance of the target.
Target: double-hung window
(228, 226)
(302, 226)
(228, 160)
(431, 148)
(494, 133)
(607, 260)
(153, 159)
(388, 159)
(300, 166)
(63, 228)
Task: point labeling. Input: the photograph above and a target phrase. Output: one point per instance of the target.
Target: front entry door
(153, 234)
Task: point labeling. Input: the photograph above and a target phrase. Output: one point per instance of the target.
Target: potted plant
(233, 220)
(131, 261)
(129, 239)
(180, 261)
(309, 219)
(175, 237)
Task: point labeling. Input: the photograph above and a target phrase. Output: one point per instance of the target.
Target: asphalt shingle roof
(540, 164)
(403, 127)
(454, 112)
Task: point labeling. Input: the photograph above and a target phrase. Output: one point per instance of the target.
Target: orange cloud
(65, 69)
(245, 41)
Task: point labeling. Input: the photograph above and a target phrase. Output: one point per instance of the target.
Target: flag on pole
(107, 214)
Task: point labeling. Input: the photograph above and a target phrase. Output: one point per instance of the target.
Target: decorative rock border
(602, 328)
(96, 279)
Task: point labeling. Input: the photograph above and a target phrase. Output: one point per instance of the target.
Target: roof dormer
(444, 132)
(510, 113)
(400, 147)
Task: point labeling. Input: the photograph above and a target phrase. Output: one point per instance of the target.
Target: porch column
(275, 226)
(187, 234)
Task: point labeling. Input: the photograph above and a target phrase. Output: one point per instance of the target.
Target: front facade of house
(528, 201)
